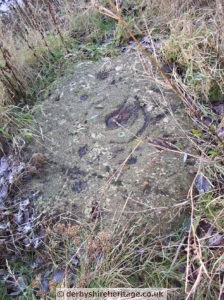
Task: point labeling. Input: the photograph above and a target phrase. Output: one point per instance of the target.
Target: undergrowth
(34, 52)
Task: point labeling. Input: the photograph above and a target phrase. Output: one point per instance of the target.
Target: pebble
(132, 160)
(121, 134)
(83, 150)
(84, 97)
(78, 186)
(149, 107)
(118, 68)
(94, 117)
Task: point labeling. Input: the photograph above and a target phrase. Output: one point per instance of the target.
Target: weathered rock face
(96, 127)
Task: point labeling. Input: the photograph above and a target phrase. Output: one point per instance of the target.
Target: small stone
(149, 107)
(202, 184)
(132, 160)
(107, 168)
(78, 186)
(94, 117)
(61, 122)
(102, 75)
(58, 275)
(121, 134)
(99, 106)
(146, 187)
(216, 240)
(84, 97)
(38, 159)
(57, 98)
(83, 150)
(118, 68)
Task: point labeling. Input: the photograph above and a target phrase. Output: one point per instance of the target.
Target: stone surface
(96, 141)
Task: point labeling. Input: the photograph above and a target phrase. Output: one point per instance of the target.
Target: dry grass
(194, 52)
(40, 41)
(196, 45)
(133, 254)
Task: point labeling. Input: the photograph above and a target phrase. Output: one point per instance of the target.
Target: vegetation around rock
(153, 71)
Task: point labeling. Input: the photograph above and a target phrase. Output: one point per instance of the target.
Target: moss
(215, 93)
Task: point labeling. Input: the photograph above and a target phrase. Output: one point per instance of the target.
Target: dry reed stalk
(9, 75)
(52, 14)
(37, 26)
(22, 14)
(23, 36)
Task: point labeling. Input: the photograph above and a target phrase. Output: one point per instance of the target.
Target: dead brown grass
(192, 47)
